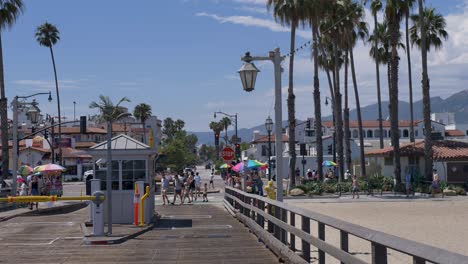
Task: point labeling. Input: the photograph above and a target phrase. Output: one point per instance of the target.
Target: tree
(406, 8)
(171, 127)
(47, 35)
(9, 12)
(431, 30)
(376, 6)
(179, 148)
(109, 113)
(393, 14)
(226, 122)
(288, 12)
(142, 112)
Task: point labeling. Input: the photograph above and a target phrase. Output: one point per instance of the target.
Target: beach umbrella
(19, 179)
(49, 168)
(225, 166)
(251, 164)
(328, 163)
(25, 170)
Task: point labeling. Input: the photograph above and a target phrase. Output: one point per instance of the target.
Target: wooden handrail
(415, 249)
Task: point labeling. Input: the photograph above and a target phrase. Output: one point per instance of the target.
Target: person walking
(177, 190)
(205, 193)
(164, 187)
(212, 180)
(355, 187)
(198, 184)
(309, 174)
(408, 184)
(34, 190)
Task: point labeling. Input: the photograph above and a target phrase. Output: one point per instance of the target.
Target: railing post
(305, 245)
(277, 228)
(344, 241)
(321, 236)
(270, 224)
(292, 237)
(246, 209)
(418, 260)
(379, 254)
(260, 218)
(284, 218)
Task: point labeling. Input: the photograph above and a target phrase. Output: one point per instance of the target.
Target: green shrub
(400, 188)
(329, 187)
(345, 186)
(303, 187)
(460, 190)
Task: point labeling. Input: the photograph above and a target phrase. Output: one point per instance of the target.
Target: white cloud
(43, 85)
(255, 2)
(250, 21)
(253, 9)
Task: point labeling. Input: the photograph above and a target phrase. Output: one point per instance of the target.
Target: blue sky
(182, 57)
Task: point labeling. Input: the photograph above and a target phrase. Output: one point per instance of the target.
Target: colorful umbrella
(251, 164)
(47, 168)
(328, 163)
(25, 170)
(19, 179)
(225, 166)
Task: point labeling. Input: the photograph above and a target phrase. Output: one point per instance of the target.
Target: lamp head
(214, 115)
(50, 97)
(326, 101)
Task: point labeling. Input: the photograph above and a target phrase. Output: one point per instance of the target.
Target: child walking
(205, 193)
(355, 188)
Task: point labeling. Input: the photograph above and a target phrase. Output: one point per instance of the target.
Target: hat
(308, 170)
(246, 158)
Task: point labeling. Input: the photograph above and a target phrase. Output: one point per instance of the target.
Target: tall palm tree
(433, 25)
(226, 122)
(9, 12)
(109, 113)
(394, 14)
(142, 112)
(48, 35)
(407, 7)
(289, 13)
(376, 6)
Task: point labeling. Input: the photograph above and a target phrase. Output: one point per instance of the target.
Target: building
(450, 159)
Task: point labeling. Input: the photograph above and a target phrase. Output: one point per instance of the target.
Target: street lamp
(33, 115)
(248, 74)
(269, 128)
(236, 140)
(334, 134)
(74, 110)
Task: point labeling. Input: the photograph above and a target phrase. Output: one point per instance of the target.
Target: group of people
(39, 185)
(186, 186)
(253, 179)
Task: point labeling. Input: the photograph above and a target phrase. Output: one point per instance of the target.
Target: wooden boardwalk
(202, 233)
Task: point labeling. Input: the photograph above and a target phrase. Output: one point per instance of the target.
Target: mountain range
(456, 103)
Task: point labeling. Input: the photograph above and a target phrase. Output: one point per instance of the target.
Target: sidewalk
(43, 208)
(120, 234)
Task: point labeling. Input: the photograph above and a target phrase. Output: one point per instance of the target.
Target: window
(132, 171)
(388, 161)
(310, 133)
(385, 133)
(413, 160)
(467, 132)
(369, 134)
(405, 133)
(101, 174)
(377, 133)
(355, 133)
(416, 133)
(264, 150)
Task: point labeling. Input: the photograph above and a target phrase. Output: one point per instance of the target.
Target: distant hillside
(457, 103)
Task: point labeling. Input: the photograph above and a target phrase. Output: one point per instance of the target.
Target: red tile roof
(36, 149)
(454, 133)
(84, 144)
(264, 139)
(442, 150)
(76, 130)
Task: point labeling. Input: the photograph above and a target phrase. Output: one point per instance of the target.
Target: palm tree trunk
(317, 105)
(291, 109)
(426, 97)
(58, 107)
(410, 80)
(4, 119)
(339, 116)
(347, 131)
(109, 178)
(359, 116)
(144, 132)
(379, 98)
(394, 64)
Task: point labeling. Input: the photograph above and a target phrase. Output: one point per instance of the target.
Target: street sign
(227, 154)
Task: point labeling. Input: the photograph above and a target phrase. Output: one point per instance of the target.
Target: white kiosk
(132, 161)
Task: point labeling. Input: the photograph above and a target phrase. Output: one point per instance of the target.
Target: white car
(88, 175)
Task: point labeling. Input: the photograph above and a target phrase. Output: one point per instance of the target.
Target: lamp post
(334, 134)
(74, 110)
(248, 74)
(15, 134)
(236, 140)
(269, 128)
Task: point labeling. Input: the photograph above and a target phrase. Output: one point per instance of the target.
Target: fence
(256, 211)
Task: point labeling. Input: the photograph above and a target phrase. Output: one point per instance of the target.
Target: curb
(118, 240)
(63, 209)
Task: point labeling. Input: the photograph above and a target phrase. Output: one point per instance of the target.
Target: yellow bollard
(142, 204)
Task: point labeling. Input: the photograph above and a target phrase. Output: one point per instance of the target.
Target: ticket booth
(132, 161)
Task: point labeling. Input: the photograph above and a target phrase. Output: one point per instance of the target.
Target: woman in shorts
(177, 189)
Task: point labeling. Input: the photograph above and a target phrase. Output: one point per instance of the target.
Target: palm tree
(394, 13)
(47, 35)
(217, 127)
(142, 112)
(226, 122)
(433, 25)
(9, 12)
(376, 6)
(288, 12)
(407, 7)
(109, 113)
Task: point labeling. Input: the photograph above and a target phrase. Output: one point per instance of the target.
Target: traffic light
(308, 124)
(273, 163)
(46, 134)
(330, 149)
(216, 139)
(238, 150)
(82, 124)
(303, 151)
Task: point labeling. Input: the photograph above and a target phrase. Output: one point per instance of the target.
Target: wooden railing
(278, 219)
